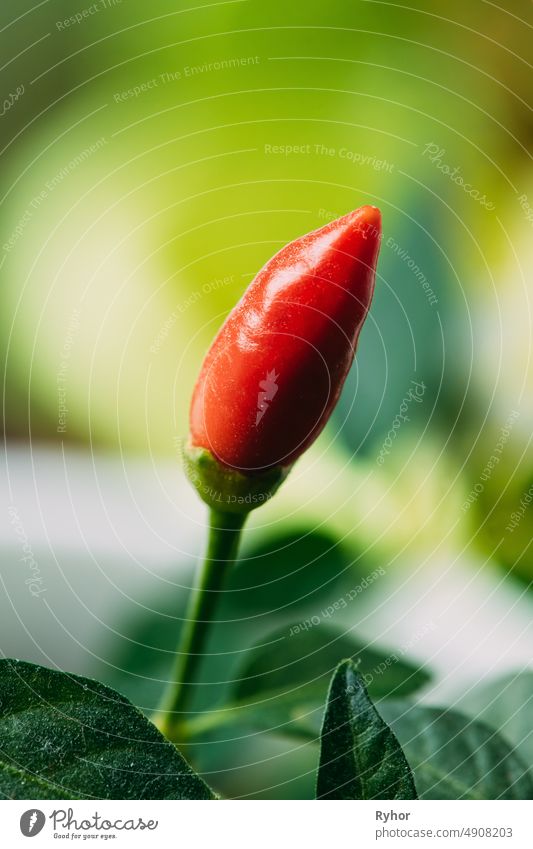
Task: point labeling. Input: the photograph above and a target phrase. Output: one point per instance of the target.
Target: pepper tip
(371, 215)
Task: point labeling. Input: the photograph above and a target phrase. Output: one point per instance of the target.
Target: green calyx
(227, 490)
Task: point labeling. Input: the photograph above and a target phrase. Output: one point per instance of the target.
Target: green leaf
(291, 570)
(274, 581)
(360, 757)
(455, 757)
(285, 715)
(283, 683)
(506, 704)
(302, 659)
(65, 737)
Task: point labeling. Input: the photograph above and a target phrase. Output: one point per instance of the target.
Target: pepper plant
(268, 385)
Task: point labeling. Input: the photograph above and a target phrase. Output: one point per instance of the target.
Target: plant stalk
(222, 546)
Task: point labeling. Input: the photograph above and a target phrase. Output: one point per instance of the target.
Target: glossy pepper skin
(276, 368)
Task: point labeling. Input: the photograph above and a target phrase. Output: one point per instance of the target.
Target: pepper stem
(222, 546)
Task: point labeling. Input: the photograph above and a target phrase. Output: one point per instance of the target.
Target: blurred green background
(153, 158)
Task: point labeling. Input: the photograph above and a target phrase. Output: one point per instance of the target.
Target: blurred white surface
(107, 535)
(103, 536)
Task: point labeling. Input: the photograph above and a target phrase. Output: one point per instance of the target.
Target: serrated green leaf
(65, 737)
(506, 704)
(360, 757)
(455, 757)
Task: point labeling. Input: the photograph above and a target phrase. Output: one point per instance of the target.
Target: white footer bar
(269, 824)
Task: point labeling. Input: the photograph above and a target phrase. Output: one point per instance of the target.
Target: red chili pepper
(277, 366)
